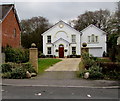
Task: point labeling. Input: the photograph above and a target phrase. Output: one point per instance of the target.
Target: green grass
(46, 63)
(104, 60)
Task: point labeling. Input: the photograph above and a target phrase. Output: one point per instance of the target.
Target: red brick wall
(8, 26)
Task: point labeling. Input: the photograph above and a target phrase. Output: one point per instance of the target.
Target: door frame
(62, 47)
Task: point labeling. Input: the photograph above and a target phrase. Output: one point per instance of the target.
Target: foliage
(98, 18)
(16, 55)
(95, 72)
(6, 75)
(45, 63)
(6, 68)
(28, 67)
(32, 30)
(84, 44)
(17, 71)
(88, 60)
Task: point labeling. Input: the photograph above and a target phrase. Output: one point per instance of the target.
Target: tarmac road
(41, 92)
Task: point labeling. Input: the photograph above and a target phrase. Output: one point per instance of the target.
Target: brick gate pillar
(33, 56)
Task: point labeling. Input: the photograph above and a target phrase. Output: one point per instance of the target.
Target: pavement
(67, 64)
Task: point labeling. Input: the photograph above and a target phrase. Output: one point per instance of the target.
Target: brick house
(10, 26)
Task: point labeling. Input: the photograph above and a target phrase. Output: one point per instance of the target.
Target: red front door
(61, 52)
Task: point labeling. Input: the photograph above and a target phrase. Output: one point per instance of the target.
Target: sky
(55, 11)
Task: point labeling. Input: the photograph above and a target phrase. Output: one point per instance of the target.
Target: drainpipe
(80, 40)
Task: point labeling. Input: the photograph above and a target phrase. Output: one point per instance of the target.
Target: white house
(95, 39)
(62, 40)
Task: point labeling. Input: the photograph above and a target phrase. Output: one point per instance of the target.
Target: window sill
(93, 42)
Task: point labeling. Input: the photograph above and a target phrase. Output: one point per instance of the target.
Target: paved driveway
(67, 64)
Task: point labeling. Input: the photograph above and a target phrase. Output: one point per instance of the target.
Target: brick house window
(14, 33)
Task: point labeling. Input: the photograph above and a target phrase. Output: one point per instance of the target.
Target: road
(37, 92)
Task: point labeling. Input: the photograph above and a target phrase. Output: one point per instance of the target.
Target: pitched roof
(91, 25)
(58, 23)
(61, 39)
(5, 9)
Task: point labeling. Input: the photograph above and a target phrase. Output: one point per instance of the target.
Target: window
(49, 50)
(96, 38)
(88, 38)
(92, 38)
(49, 39)
(73, 50)
(73, 38)
(14, 33)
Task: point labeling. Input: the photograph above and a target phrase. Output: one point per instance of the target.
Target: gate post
(33, 56)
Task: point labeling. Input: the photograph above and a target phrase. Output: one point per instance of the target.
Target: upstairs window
(49, 39)
(92, 39)
(73, 38)
(14, 33)
(88, 38)
(96, 38)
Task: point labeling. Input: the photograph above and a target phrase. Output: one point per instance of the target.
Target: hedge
(17, 55)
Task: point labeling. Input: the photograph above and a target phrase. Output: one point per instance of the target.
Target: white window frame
(49, 51)
(73, 38)
(49, 39)
(74, 51)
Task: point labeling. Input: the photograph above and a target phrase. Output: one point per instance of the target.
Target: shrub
(16, 55)
(88, 60)
(95, 72)
(6, 75)
(6, 68)
(28, 67)
(18, 73)
(84, 44)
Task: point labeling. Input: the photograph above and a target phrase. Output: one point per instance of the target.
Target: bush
(88, 60)
(28, 67)
(6, 68)
(6, 75)
(95, 72)
(18, 73)
(16, 55)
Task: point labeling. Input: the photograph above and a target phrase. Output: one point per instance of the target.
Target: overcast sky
(55, 11)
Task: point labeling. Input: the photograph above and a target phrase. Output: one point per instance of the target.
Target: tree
(98, 18)
(32, 30)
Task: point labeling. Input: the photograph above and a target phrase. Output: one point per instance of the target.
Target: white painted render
(95, 48)
(61, 33)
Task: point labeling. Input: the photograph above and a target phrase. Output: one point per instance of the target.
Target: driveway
(67, 64)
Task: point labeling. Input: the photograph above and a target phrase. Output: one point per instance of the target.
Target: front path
(67, 64)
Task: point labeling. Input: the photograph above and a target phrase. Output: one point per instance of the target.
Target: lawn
(45, 63)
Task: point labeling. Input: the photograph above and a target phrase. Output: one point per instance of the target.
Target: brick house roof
(5, 9)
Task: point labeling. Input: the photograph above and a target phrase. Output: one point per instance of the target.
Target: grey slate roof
(4, 9)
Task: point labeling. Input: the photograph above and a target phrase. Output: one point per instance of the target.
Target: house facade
(95, 39)
(62, 40)
(10, 26)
